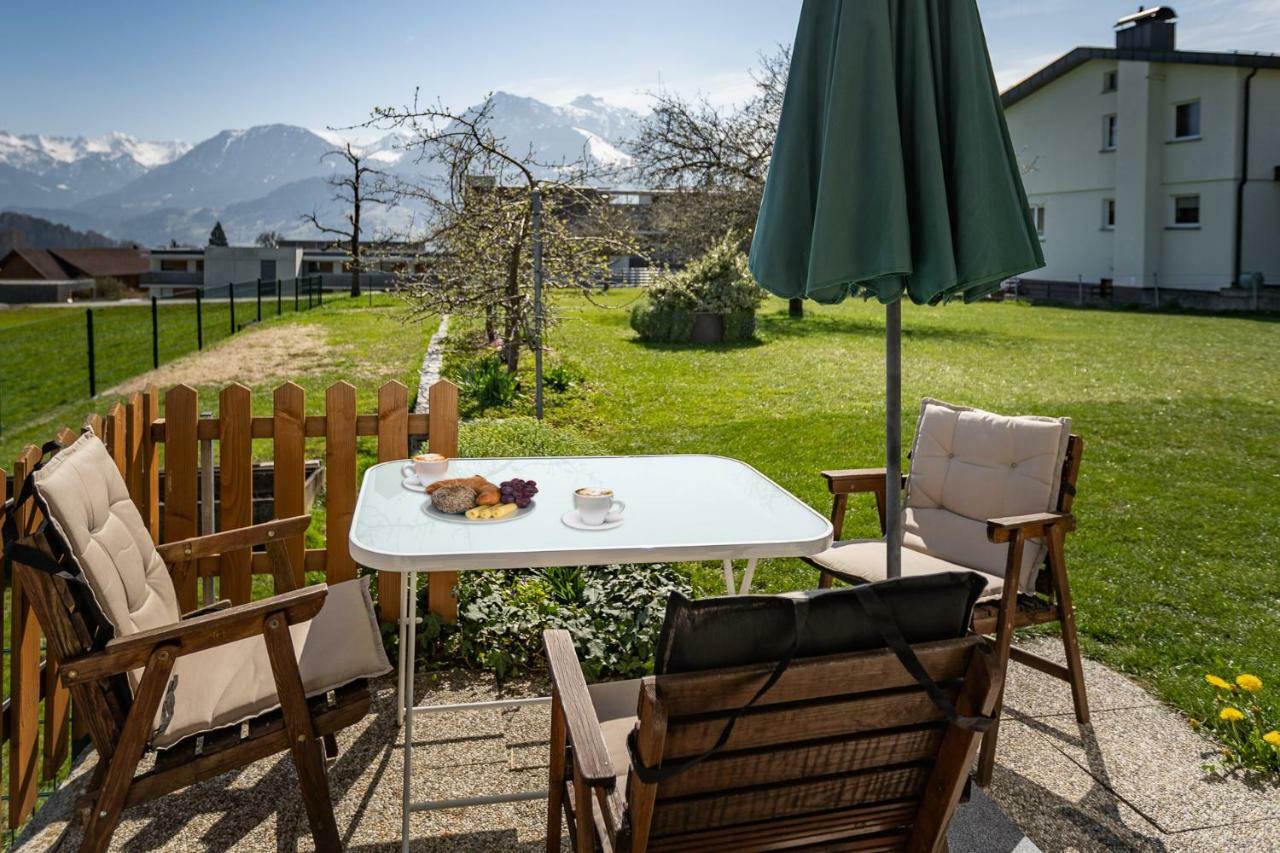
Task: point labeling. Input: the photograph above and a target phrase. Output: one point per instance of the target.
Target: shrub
(614, 614)
(718, 282)
(652, 323)
(562, 376)
(522, 436)
(740, 325)
(488, 383)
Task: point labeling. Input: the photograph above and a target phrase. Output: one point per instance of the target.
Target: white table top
(679, 507)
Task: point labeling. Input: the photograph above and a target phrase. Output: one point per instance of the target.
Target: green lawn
(1174, 567)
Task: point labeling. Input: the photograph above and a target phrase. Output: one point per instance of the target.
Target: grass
(1174, 565)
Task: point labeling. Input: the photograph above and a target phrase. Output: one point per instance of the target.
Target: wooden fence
(142, 443)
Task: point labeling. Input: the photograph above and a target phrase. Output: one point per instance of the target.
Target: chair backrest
(842, 747)
(968, 466)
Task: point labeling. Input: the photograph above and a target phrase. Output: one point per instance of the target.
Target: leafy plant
(488, 383)
(1251, 743)
(521, 436)
(718, 282)
(561, 377)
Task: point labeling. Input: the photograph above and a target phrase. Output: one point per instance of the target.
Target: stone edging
(431, 363)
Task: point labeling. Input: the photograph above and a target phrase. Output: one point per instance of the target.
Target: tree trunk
(795, 308)
(355, 237)
(490, 323)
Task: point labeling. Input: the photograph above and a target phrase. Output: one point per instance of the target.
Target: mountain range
(263, 178)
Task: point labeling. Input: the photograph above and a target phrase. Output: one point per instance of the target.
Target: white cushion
(864, 559)
(968, 466)
(89, 506)
(616, 704)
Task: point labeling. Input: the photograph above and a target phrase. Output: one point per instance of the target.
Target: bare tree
(480, 196)
(715, 159)
(268, 239)
(358, 186)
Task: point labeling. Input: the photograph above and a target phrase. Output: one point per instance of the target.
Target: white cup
(595, 505)
(426, 467)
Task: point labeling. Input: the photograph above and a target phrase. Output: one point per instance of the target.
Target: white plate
(458, 518)
(572, 519)
(413, 485)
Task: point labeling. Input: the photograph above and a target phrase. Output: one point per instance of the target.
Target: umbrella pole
(893, 437)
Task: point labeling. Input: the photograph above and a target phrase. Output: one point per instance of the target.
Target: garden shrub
(523, 436)
(718, 282)
(487, 382)
(739, 326)
(562, 376)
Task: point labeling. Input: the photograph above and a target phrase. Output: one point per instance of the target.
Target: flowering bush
(718, 282)
(1250, 742)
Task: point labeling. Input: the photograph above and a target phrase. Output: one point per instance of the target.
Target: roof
(1081, 55)
(1155, 13)
(103, 262)
(41, 261)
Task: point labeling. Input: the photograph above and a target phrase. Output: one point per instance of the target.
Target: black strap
(654, 775)
(880, 616)
(14, 547)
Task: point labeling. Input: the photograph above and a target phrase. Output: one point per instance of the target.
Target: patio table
(678, 508)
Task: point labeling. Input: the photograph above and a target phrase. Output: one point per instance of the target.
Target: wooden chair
(1011, 603)
(126, 684)
(844, 752)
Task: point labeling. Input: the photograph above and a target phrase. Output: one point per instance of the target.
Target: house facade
(55, 275)
(1149, 168)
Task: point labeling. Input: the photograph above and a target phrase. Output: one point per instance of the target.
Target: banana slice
(503, 510)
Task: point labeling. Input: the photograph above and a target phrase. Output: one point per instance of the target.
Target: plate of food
(475, 500)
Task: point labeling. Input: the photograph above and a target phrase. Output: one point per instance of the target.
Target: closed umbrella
(892, 176)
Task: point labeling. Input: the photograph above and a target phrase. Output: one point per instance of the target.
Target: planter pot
(707, 328)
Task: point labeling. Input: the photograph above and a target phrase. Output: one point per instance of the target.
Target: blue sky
(162, 70)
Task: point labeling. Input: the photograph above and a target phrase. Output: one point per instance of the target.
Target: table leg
(410, 659)
(747, 576)
(728, 577)
(403, 578)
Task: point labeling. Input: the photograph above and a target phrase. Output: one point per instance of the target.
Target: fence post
(155, 335)
(319, 292)
(1156, 278)
(231, 297)
(296, 282)
(199, 322)
(1079, 289)
(259, 300)
(93, 373)
(279, 285)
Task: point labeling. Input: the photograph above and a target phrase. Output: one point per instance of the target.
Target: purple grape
(522, 502)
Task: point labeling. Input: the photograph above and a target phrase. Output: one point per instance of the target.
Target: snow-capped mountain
(265, 177)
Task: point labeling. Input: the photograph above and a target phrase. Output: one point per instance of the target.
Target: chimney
(1147, 29)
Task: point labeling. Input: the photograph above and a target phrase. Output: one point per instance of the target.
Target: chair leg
(1004, 639)
(987, 754)
(825, 579)
(1067, 620)
(330, 746)
(124, 760)
(555, 782)
(305, 746)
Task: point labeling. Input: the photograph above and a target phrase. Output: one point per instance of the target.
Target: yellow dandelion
(1230, 714)
(1220, 683)
(1252, 683)
(1272, 737)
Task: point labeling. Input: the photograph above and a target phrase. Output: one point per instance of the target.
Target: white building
(1150, 167)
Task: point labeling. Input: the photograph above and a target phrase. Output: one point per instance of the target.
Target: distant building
(1150, 167)
(55, 275)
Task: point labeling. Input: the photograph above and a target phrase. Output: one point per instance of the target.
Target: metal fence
(76, 354)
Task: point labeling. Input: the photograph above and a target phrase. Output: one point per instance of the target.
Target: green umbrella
(892, 175)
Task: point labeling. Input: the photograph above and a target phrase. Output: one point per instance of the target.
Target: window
(170, 265)
(200, 265)
(1109, 81)
(1108, 214)
(1109, 133)
(1037, 217)
(1186, 120)
(1186, 210)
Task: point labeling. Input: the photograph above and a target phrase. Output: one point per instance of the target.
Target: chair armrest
(195, 634)
(186, 550)
(589, 751)
(1033, 526)
(851, 480)
(221, 604)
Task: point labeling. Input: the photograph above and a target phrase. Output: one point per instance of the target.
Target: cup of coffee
(426, 467)
(595, 505)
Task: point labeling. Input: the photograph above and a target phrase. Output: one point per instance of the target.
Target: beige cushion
(89, 507)
(968, 466)
(865, 559)
(616, 704)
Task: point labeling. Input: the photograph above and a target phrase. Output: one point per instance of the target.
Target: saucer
(413, 485)
(572, 519)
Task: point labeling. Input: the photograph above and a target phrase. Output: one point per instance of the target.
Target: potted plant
(713, 299)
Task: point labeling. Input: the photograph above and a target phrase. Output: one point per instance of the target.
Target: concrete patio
(1130, 781)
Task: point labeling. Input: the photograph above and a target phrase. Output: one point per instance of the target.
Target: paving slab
(1039, 695)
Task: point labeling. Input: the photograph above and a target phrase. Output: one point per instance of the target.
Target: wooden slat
(289, 477)
(759, 804)
(393, 443)
(340, 479)
(861, 820)
(880, 669)
(93, 422)
(314, 426)
(113, 435)
(817, 720)
(136, 435)
(864, 752)
(235, 456)
(24, 671)
(151, 463)
(181, 477)
(442, 436)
